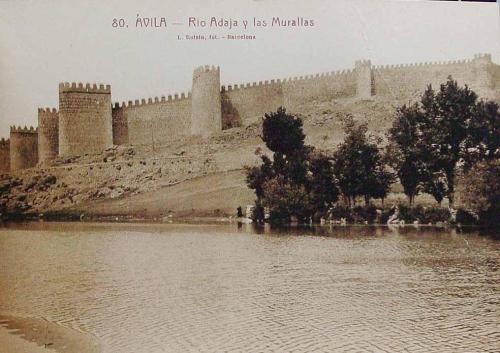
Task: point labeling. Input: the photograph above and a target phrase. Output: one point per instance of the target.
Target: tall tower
(4, 156)
(48, 134)
(206, 111)
(484, 80)
(364, 82)
(23, 147)
(85, 123)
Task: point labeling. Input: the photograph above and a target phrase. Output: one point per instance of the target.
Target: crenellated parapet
(259, 84)
(482, 56)
(324, 75)
(84, 88)
(206, 69)
(48, 111)
(361, 63)
(423, 65)
(340, 74)
(23, 130)
(150, 101)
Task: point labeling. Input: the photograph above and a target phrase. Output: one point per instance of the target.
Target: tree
(285, 199)
(298, 181)
(282, 132)
(359, 166)
(381, 184)
(443, 129)
(403, 151)
(280, 183)
(322, 187)
(256, 176)
(483, 134)
(482, 191)
(435, 184)
(445, 132)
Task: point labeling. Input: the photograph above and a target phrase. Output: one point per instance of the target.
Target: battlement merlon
(289, 80)
(206, 68)
(483, 56)
(48, 111)
(4, 142)
(66, 87)
(362, 63)
(156, 100)
(24, 130)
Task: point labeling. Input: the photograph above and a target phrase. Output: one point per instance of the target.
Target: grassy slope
(214, 194)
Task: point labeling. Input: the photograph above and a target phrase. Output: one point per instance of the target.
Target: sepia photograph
(249, 176)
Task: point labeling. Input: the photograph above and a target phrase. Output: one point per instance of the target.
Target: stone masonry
(87, 123)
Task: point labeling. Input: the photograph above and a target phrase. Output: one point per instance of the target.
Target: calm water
(179, 288)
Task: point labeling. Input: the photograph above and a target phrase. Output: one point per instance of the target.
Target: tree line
(448, 132)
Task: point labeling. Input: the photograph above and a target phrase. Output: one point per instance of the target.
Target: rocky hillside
(124, 177)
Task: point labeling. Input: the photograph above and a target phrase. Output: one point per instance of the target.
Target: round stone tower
(206, 114)
(48, 134)
(85, 123)
(23, 147)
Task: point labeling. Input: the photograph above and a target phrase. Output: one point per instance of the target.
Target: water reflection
(206, 288)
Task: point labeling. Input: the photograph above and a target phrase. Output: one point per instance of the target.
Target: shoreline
(76, 217)
(21, 334)
(12, 343)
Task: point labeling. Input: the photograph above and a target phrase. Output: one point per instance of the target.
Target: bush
(411, 214)
(365, 214)
(424, 215)
(384, 216)
(360, 214)
(466, 218)
(337, 212)
(436, 214)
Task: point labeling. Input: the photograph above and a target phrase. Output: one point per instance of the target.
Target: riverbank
(28, 335)
(10, 343)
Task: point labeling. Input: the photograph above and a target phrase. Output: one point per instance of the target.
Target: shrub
(466, 218)
(365, 214)
(337, 212)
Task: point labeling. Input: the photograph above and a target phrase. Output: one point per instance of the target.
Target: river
(223, 288)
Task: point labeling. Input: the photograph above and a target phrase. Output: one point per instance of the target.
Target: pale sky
(46, 42)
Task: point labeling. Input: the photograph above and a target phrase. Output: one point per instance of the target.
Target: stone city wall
(242, 104)
(159, 120)
(87, 123)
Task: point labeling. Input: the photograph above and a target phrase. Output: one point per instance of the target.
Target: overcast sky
(46, 42)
